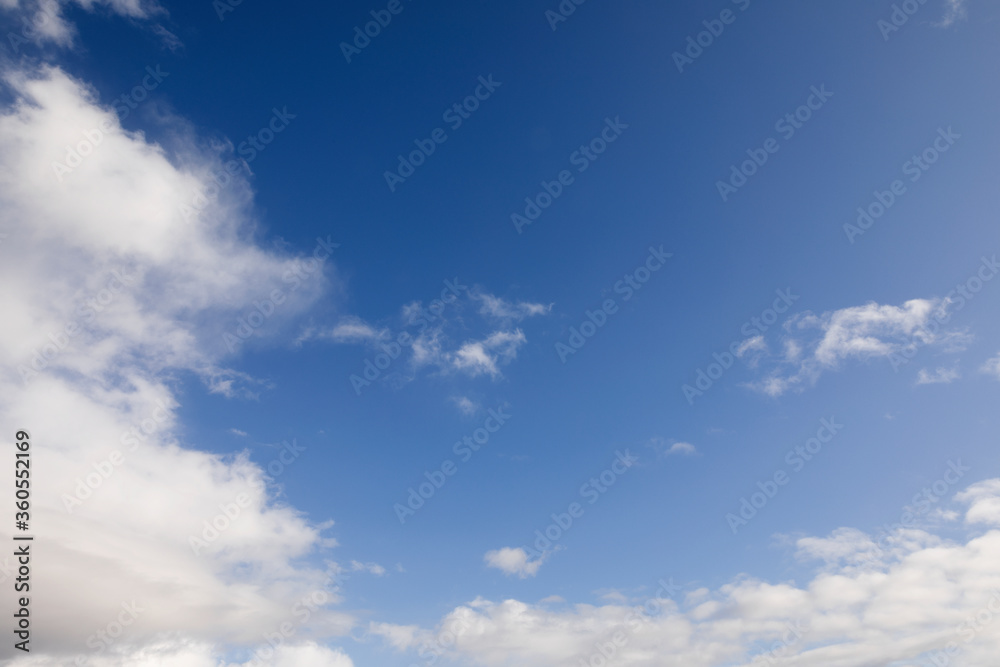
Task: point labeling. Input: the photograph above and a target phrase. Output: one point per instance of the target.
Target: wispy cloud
(438, 336)
(487, 355)
(233, 384)
(814, 344)
(370, 568)
(465, 405)
(498, 308)
(992, 366)
(349, 330)
(672, 447)
(938, 376)
(954, 10)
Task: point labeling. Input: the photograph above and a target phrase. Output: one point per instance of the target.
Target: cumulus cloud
(864, 605)
(108, 294)
(685, 448)
(984, 502)
(818, 343)
(514, 561)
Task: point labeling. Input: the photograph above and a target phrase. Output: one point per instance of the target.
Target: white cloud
(487, 355)
(231, 383)
(498, 308)
(864, 333)
(307, 655)
(751, 344)
(868, 331)
(466, 405)
(939, 376)
(43, 21)
(370, 568)
(236, 431)
(514, 561)
(793, 351)
(613, 596)
(433, 346)
(350, 329)
(400, 637)
(954, 10)
(992, 367)
(665, 447)
(434, 331)
(984, 502)
(864, 605)
(70, 244)
(685, 448)
(182, 653)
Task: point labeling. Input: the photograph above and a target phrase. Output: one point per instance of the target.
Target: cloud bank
(110, 295)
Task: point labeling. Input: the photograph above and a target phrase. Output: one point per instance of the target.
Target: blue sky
(256, 306)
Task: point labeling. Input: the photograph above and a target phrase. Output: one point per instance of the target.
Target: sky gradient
(526, 333)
